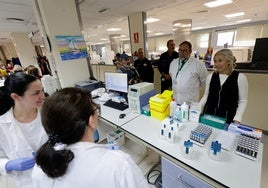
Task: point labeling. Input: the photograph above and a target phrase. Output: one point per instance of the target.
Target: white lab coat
(191, 77)
(15, 143)
(94, 166)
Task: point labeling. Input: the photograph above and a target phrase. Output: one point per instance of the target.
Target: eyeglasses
(180, 50)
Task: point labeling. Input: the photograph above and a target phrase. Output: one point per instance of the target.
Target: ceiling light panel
(243, 21)
(217, 3)
(114, 29)
(151, 20)
(234, 15)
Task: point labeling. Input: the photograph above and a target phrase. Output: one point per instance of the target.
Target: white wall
(60, 18)
(256, 112)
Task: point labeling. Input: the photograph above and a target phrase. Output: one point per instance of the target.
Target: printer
(139, 95)
(89, 85)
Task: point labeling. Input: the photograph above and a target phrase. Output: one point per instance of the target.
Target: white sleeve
(131, 176)
(3, 162)
(243, 96)
(203, 74)
(203, 101)
(171, 67)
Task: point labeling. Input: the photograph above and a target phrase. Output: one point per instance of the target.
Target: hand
(130, 81)
(20, 164)
(167, 77)
(236, 122)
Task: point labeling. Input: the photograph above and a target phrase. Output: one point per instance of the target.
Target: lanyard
(182, 64)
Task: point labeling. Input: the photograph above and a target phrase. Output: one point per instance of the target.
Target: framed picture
(71, 47)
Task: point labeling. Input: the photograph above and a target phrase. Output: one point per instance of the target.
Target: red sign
(136, 37)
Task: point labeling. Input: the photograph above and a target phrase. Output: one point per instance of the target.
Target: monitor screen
(260, 50)
(116, 82)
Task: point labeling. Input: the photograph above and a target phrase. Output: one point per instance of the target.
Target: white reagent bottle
(172, 107)
(184, 112)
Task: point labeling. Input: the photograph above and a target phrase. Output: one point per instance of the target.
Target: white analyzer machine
(139, 89)
(139, 95)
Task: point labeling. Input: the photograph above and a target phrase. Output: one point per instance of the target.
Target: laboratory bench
(255, 113)
(231, 170)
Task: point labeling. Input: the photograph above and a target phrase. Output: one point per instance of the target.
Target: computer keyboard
(119, 106)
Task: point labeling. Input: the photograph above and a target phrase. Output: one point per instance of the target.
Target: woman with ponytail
(70, 158)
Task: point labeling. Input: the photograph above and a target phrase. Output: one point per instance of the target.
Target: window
(246, 36)
(225, 37)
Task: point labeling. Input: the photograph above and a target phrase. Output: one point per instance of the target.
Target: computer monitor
(117, 82)
(260, 50)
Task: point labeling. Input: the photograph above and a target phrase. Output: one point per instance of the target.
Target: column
(116, 43)
(10, 50)
(182, 30)
(61, 18)
(24, 48)
(137, 31)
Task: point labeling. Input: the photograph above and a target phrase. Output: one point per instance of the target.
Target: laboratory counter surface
(112, 115)
(231, 170)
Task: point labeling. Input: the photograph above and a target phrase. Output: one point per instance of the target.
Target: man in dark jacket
(144, 67)
(163, 66)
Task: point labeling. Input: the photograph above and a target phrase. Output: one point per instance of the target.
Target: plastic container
(163, 132)
(213, 121)
(171, 135)
(159, 105)
(184, 112)
(194, 112)
(172, 106)
(178, 115)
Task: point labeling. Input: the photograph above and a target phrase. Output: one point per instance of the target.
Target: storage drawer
(174, 176)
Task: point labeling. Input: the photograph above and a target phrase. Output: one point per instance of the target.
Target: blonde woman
(226, 90)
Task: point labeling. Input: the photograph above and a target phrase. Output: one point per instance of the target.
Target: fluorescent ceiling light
(103, 39)
(234, 15)
(156, 34)
(123, 36)
(186, 25)
(197, 28)
(177, 24)
(151, 20)
(114, 29)
(242, 21)
(217, 3)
